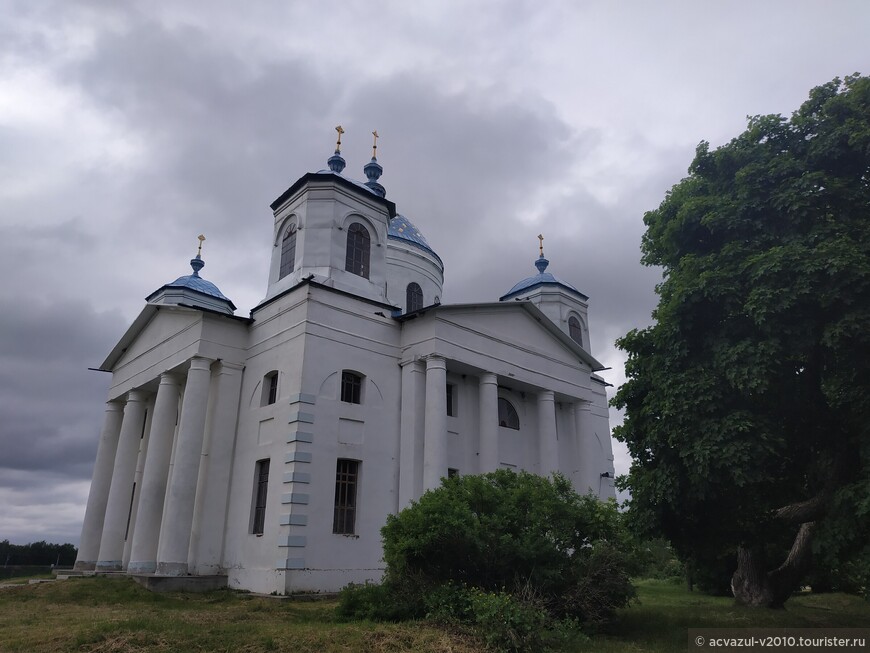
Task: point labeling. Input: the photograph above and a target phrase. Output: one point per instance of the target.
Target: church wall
(406, 263)
(323, 212)
(276, 343)
(344, 333)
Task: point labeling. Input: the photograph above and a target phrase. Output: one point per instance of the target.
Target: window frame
(575, 328)
(357, 257)
(350, 387)
(269, 394)
(287, 263)
(413, 297)
(260, 497)
(451, 400)
(506, 423)
(346, 504)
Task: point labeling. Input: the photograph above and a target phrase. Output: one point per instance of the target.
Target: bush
(510, 556)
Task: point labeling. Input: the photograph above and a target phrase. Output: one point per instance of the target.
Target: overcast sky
(126, 129)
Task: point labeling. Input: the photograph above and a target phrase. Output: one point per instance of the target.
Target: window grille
(359, 245)
(288, 252)
(261, 490)
(414, 297)
(346, 479)
(575, 330)
(351, 387)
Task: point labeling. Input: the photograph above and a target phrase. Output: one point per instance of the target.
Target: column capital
(168, 378)
(114, 406)
(488, 378)
(136, 396)
(546, 395)
(435, 361)
(201, 363)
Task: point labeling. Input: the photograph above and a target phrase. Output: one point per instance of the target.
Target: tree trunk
(752, 585)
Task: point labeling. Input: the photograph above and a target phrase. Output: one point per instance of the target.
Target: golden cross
(338, 142)
(375, 145)
(201, 238)
(541, 238)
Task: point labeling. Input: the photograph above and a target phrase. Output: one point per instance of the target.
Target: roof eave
(324, 176)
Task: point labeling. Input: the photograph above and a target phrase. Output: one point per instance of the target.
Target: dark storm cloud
(49, 401)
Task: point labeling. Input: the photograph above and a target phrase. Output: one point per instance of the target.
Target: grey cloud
(50, 402)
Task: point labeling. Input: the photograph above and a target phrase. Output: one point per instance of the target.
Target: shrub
(511, 556)
(499, 530)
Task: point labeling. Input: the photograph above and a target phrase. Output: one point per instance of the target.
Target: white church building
(270, 449)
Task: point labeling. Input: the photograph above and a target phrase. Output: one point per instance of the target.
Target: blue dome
(197, 283)
(542, 278)
(193, 290)
(402, 229)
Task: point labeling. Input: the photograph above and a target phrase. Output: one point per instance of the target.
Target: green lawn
(659, 621)
(115, 615)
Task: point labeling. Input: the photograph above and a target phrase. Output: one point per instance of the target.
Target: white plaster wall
(406, 264)
(276, 342)
(344, 333)
(322, 211)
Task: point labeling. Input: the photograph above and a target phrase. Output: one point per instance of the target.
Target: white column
(121, 490)
(587, 449)
(175, 527)
(411, 433)
(143, 556)
(435, 437)
(137, 483)
(547, 444)
(488, 428)
(212, 494)
(98, 497)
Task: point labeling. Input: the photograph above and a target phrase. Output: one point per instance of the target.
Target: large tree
(747, 403)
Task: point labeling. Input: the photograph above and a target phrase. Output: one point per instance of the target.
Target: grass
(659, 621)
(114, 615)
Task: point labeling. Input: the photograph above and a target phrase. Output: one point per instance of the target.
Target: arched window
(507, 415)
(359, 245)
(270, 389)
(288, 252)
(575, 330)
(351, 387)
(414, 297)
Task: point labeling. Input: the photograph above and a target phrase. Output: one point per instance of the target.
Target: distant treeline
(37, 553)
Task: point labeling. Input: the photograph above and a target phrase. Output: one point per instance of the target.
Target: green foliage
(501, 620)
(37, 553)
(381, 602)
(751, 391)
(514, 557)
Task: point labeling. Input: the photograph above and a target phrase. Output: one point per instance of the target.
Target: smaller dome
(542, 278)
(193, 290)
(403, 229)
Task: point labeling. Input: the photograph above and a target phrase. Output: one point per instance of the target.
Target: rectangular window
(451, 472)
(451, 400)
(346, 478)
(351, 387)
(261, 490)
(273, 389)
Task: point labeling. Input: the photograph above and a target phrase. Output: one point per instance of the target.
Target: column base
(142, 567)
(85, 565)
(109, 565)
(172, 568)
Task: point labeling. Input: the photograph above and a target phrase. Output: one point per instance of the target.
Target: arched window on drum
(413, 297)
